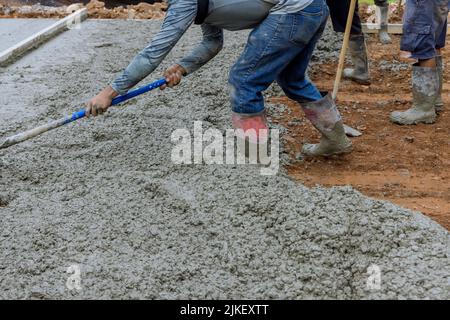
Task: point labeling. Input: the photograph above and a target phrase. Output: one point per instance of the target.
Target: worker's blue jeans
(424, 27)
(280, 49)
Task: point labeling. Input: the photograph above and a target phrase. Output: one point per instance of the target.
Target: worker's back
(247, 14)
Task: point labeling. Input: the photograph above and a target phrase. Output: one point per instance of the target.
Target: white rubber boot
(383, 34)
(325, 117)
(425, 88)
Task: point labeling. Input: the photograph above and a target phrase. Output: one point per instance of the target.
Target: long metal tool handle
(348, 28)
(75, 116)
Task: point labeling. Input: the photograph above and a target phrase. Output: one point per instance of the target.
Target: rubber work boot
(251, 127)
(439, 104)
(383, 34)
(325, 117)
(425, 89)
(358, 53)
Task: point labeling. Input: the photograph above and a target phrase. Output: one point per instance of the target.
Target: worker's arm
(210, 46)
(179, 17)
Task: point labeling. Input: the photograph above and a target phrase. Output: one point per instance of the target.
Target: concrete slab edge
(14, 52)
(393, 28)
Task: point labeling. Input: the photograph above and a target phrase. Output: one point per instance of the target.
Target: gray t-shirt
(246, 14)
(288, 6)
(223, 14)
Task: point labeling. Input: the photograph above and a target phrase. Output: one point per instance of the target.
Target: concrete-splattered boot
(251, 127)
(383, 34)
(325, 117)
(358, 54)
(439, 104)
(425, 89)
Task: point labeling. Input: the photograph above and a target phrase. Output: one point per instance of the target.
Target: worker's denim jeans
(280, 49)
(424, 27)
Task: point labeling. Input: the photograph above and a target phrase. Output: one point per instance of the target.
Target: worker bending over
(279, 48)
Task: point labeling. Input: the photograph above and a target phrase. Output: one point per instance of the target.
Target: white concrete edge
(42, 36)
(126, 19)
(394, 28)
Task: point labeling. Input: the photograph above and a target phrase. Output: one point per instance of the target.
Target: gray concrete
(37, 38)
(103, 194)
(12, 31)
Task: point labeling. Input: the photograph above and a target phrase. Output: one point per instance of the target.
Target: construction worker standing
(357, 46)
(424, 33)
(279, 48)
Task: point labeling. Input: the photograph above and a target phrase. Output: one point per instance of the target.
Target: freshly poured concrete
(12, 31)
(104, 195)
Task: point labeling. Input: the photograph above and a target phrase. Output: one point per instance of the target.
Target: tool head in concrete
(352, 132)
(4, 144)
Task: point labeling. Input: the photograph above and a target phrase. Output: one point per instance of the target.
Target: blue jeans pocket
(413, 33)
(304, 27)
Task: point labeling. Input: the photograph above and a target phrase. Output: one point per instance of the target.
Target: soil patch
(408, 165)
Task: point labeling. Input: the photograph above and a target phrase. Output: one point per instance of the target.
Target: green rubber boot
(325, 117)
(358, 53)
(383, 33)
(425, 88)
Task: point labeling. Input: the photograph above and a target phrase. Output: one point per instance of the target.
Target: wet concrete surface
(103, 194)
(12, 31)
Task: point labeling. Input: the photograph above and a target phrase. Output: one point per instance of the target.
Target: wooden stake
(348, 28)
(351, 12)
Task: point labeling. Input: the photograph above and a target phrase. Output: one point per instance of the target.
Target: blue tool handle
(18, 138)
(131, 94)
(139, 91)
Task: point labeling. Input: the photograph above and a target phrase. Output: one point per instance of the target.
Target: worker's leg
(294, 80)
(357, 46)
(423, 23)
(270, 48)
(383, 5)
(339, 14)
(320, 110)
(360, 72)
(439, 104)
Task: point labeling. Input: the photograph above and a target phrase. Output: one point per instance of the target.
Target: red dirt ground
(408, 165)
(96, 10)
